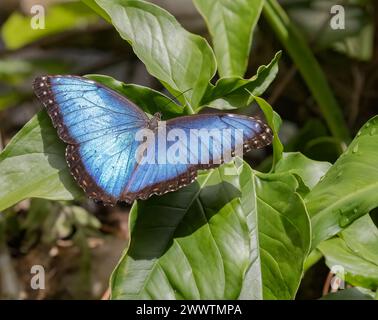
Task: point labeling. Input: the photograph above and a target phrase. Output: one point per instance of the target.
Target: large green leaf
(58, 18)
(33, 165)
(182, 61)
(350, 187)
(231, 24)
(149, 100)
(234, 92)
(357, 270)
(362, 237)
(358, 250)
(232, 234)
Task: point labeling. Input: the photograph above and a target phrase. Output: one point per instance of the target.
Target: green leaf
(149, 100)
(231, 93)
(274, 122)
(310, 171)
(308, 66)
(182, 61)
(231, 25)
(357, 271)
(33, 165)
(58, 18)
(362, 237)
(96, 8)
(349, 188)
(232, 234)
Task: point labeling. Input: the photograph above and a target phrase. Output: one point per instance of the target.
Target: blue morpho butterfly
(100, 126)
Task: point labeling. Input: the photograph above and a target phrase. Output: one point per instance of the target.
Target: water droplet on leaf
(343, 221)
(355, 148)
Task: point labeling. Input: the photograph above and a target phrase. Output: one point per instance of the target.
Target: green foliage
(33, 165)
(60, 18)
(274, 121)
(308, 66)
(356, 250)
(364, 243)
(313, 17)
(182, 61)
(234, 92)
(149, 100)
(9, 98)
(231, 24)
(349, 188)
(16, 74)
(309, 170)
(219, 238)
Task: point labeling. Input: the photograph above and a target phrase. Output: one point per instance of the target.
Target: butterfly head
(153, 124)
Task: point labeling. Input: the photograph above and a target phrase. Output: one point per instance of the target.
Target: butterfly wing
(155, 178)
(99, 126)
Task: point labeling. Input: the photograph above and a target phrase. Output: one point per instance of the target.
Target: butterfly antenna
(252, 96)
(176, 97)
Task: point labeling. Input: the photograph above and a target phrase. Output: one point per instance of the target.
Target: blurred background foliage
(80, 243)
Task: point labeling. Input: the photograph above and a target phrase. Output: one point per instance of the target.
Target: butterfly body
(101, 128)
(154, 121)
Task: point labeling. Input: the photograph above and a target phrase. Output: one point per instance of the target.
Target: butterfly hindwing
(158, 178)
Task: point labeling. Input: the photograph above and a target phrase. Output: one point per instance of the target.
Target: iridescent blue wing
(99, 126)
(157, 178)
(100, 129)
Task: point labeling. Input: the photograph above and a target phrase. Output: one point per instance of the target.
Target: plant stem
(308, 66)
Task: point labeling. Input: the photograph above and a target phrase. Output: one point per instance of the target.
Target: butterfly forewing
(99, 125)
